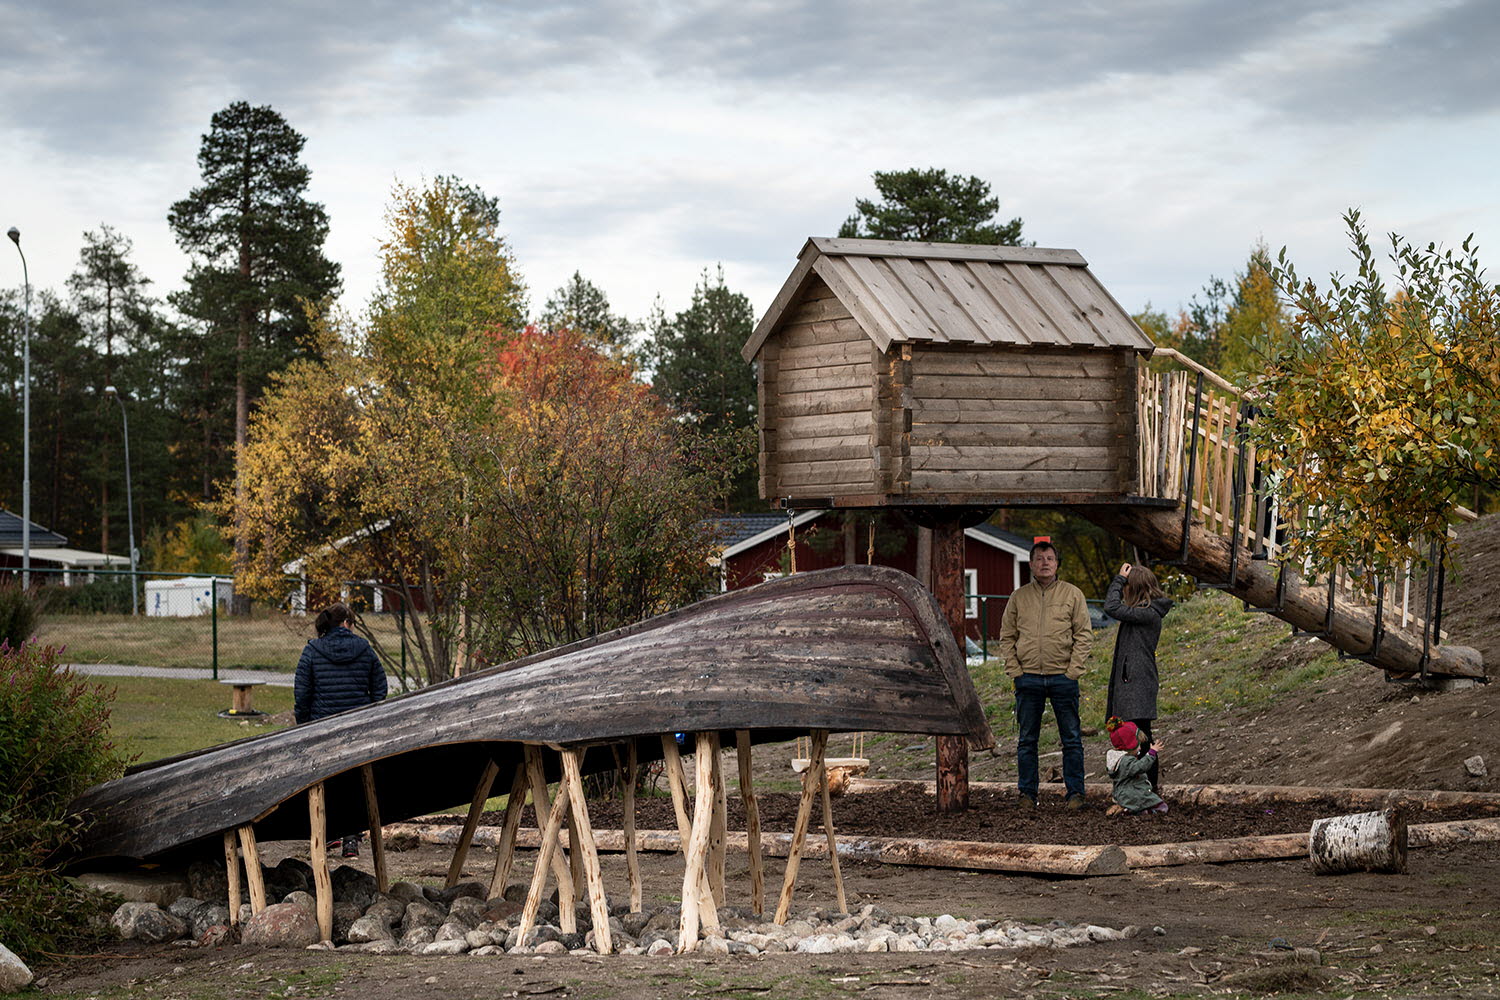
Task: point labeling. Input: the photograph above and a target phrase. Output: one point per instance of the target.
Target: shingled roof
(958, 293)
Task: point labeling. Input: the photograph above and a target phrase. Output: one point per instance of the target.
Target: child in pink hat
(1129, 766)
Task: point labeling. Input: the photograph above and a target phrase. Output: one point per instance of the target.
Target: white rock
(818, 944)
(659, 948)
(488, 949)
(1475, 766)
(1097, 933)
(878, 944)
(14, 974)
(448, 947)
(550, 948)
(908, 942)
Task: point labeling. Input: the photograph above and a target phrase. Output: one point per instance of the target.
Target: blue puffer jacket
(337, 672)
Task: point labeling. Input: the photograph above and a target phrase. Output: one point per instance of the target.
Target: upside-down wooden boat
(851, 649)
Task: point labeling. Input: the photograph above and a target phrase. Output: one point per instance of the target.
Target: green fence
(151, 619)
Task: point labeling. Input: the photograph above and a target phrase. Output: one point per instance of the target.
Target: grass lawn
(263, 641)
(157, 718)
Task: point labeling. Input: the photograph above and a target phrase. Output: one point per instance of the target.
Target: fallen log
(974, 855)
(1359, 842)
(1273, 847)
(1224, 795)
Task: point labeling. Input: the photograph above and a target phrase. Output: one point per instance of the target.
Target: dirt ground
(1208, 930)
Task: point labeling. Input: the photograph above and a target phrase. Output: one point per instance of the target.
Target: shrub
(104, 596)
(54, 743)
(18, 614)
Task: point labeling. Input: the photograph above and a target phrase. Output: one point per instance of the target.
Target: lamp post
(110, 391)
(15, 237)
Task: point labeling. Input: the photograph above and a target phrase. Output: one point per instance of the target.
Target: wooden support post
(583, 838)
(575, 863)
(677, 782)
(540, 800)
(253, 877)
(632, 862)
(551, 831)
(804, 816)
(948, 587)
(317, 818)
(471, 822)
(697, 846)
(719, 825)
(232, 871)
(377, 836)
(752, 823)
(833, 844)
(505, 853)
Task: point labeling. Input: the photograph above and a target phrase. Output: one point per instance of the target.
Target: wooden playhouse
(945, 374)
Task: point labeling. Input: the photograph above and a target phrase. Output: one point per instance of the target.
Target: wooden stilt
(575, 863)
(550, 836)
(677, 782)
(232, 870)
(720, 825)
(505, 853)
(317, 817)
(471, 822)
(253, 877)
(697, 846)
(752, 822)
(804, 815)
(583, 836)
(833, 844)
(632, 862)
(567, 915)
(377, 836)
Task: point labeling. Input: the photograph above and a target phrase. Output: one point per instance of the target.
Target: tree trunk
(948, 574)
(1359, 842)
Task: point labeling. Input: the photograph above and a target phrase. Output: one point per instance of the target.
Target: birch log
(1359, 842)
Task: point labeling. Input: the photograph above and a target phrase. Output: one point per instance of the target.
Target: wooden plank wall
(1021, 420)
(817, 400)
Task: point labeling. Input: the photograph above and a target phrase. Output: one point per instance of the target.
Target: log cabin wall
(1016, 420)
(816, 395)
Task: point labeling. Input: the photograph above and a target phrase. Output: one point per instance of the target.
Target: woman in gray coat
(1137, 602)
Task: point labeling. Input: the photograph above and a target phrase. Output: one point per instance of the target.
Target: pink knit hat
(1123, 737)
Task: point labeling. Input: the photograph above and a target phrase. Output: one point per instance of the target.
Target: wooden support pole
(948, 587)
(253, 877)
(720, 824)
(677, 782)
(471, 822)
(804, 816)
(632, 862)
(540, 800)
(317, 818)
(232, 871)
(752, 823)
(550, 835)
(575, 863)
(583, 839)
(833, 844)
(697, 845)
(505, 852)
(377, 835)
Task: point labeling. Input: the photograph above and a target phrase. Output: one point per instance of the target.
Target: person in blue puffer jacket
(338, 671)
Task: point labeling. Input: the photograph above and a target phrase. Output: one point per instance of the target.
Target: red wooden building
(754, 549)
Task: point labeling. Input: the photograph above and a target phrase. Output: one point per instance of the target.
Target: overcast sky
(639, 143)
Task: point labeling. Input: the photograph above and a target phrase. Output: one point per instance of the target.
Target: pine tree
(256, 243)
(934, 207)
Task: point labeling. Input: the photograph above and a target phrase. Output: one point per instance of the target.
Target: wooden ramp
(1228, 533)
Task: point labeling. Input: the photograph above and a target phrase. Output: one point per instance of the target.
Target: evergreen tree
(698, 370)
(931, 206)
(582, 306)
(256, 244)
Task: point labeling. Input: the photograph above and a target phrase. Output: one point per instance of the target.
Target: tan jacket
(1046, 631)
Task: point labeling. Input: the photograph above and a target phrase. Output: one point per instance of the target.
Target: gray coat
(1132, 679)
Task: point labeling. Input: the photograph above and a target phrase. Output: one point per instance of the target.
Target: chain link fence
(150, 619)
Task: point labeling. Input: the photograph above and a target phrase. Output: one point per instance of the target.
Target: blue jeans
(1033, 691)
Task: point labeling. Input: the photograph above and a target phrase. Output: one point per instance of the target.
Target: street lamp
(15, 237)
(109, 391)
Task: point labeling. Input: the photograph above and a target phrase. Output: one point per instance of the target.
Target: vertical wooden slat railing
(1167, 401)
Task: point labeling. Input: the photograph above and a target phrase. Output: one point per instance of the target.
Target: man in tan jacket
(1045, 638)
